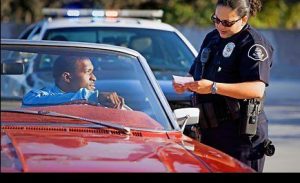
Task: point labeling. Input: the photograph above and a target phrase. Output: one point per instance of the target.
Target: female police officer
(231, 73)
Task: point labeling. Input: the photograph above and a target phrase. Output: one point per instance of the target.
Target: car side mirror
(12, 68)
(187, 116)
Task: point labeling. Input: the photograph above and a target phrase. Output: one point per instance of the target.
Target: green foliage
(179, 13)
(204, 11)
(274, 14)
(194, 12)
(293, 17)
(271, 16)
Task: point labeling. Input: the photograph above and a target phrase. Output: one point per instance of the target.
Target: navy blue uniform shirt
(245, 56)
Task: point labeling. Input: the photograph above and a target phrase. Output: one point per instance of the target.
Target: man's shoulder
(45, 90)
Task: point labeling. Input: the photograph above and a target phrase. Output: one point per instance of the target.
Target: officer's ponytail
(255, 6)
(243, 7)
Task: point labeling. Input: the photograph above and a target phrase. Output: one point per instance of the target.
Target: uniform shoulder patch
(258, 52)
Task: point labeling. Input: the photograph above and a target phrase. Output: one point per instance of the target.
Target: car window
(115, 72)
(35, 33)
(164, 50)
(32, 32)
(26, 33)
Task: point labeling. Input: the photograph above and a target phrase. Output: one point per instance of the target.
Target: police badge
(228, 49)
(258, 52)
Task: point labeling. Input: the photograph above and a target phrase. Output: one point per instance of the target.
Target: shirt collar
(56, 89)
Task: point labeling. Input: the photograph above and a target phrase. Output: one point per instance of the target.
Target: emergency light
(56, 12)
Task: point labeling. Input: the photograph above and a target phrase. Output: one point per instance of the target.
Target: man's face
(83, 76)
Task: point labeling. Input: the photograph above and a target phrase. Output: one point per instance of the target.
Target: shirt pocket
(227, 70)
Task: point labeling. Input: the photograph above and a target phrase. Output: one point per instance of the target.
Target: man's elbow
(29, 99)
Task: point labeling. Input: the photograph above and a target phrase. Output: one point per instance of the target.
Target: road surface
(283, 111)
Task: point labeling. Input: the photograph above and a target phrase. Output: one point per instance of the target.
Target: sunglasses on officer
(225, 23)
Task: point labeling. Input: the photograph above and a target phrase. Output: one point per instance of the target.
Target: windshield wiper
(121, 128)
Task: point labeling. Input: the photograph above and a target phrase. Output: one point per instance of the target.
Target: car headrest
(59, 38)
(12, 68)
(109, 40)
(141, 44)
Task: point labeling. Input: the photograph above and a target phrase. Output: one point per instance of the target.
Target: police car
(166, 50)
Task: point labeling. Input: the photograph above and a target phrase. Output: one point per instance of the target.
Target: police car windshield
(164, 51)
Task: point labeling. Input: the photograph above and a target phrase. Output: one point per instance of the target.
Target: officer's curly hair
(243, 7)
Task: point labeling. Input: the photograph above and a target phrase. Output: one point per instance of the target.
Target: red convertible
(147, 137)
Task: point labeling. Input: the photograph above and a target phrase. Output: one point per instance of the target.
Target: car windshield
(115, 71)
(164, 51)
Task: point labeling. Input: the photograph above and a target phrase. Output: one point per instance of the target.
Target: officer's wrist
(214, 88)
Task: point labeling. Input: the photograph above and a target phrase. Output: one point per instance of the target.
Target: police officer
(231, 73)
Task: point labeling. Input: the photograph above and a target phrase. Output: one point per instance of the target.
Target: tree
(274, 14)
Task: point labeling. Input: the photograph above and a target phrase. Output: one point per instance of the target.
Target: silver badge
(228, 49)
(258, 52)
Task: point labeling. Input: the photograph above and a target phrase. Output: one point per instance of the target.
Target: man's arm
(41, 97)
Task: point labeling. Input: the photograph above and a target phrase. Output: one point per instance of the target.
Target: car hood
(38, 152)
(49, 150)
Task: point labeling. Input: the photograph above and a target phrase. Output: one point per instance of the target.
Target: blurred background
(279, 13)
(279, 21)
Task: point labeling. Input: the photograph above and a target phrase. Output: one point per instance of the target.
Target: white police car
(166, 50)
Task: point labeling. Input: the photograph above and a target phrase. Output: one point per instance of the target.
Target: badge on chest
(228, 49)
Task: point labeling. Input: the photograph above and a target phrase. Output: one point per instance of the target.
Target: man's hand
(111, 100)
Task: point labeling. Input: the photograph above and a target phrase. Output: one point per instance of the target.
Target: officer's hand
(110, 99)
(179, 88)
(202, 87)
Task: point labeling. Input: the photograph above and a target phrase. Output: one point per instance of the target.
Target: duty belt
(223, 109)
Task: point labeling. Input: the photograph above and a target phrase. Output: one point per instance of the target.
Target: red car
(146, 137)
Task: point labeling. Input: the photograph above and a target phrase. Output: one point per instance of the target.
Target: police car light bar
(142, 13)
(56, 12)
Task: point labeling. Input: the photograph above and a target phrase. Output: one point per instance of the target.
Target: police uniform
(245, 56)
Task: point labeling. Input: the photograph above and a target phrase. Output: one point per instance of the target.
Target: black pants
(226, 138)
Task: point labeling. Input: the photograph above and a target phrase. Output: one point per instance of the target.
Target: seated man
(74, 83)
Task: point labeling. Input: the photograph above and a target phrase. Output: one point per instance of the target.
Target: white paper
(182, 79)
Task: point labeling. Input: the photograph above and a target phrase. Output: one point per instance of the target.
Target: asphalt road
(283, 111)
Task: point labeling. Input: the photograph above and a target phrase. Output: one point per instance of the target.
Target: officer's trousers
(226, 138)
